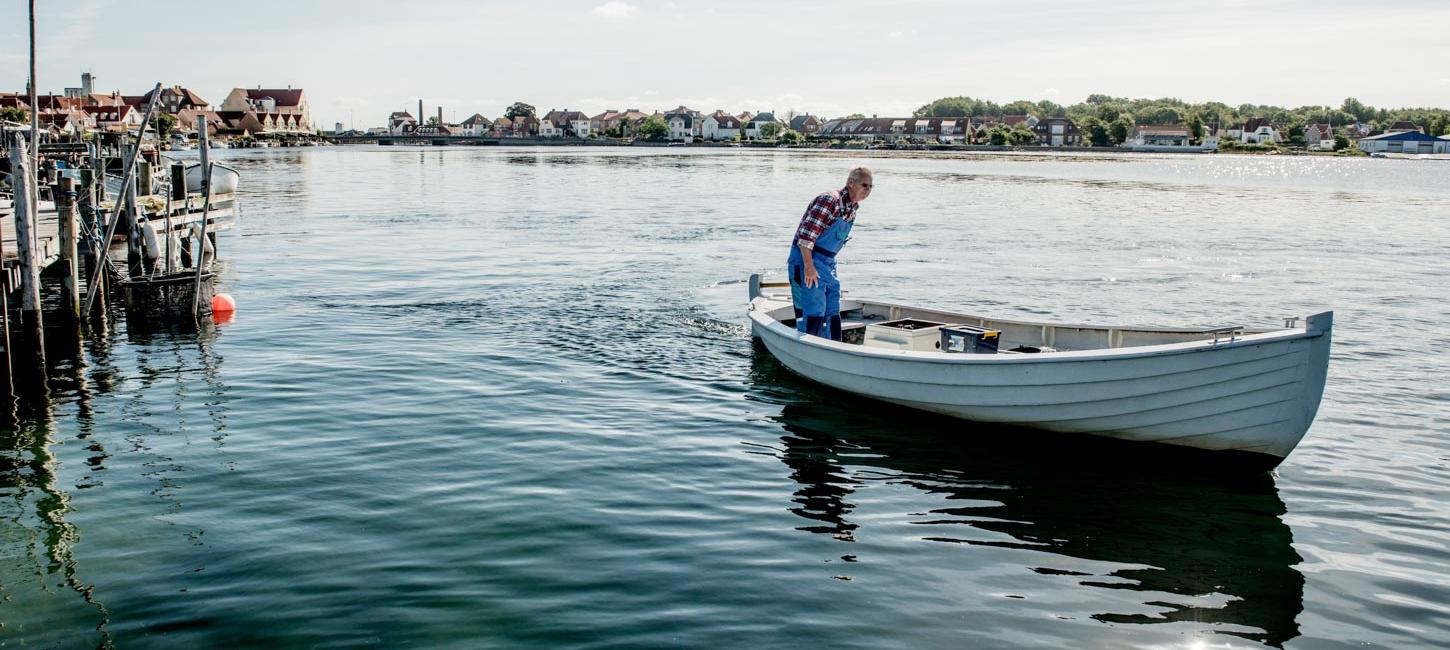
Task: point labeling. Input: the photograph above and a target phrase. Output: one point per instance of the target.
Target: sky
(360, 60)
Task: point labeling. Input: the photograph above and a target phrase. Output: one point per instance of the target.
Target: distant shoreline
(921, 148)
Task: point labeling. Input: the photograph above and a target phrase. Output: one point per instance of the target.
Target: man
(823, 230)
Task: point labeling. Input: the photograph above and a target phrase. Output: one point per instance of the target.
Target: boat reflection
(1206, 549)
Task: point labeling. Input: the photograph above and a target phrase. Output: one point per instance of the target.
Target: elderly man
(823, 230)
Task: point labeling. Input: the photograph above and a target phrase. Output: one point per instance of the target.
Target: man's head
(858, 184)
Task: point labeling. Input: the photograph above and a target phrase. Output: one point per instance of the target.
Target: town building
(1411, 142)
(401, 122)
(1259, 130)
(806, 124)
(1319, 137)
(755, 124)
(684, 123)
(276, 110)
(520, 126)
(476, 126)
(1011, 121)
(176, 99)
(719, 126)
(113, 119)
(899, 130)
(1057, 132)
(565, 123)
(1159, 135)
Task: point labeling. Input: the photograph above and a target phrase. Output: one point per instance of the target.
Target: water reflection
(41, 474)
(1199, 548)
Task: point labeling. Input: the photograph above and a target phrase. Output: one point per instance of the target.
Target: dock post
(178, 193)
(200, 259)
(145, 183)
(65, 205)
(132, 220)
(98, 172)
(32, 327)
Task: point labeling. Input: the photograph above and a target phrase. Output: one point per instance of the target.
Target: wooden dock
(184, 214)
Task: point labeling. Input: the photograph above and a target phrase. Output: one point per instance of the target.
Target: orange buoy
(223, 304)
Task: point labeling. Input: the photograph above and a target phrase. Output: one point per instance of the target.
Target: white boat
(224, 179)
(1227, 389)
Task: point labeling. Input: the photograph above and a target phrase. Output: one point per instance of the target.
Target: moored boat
(224, 179)
(1223, 389)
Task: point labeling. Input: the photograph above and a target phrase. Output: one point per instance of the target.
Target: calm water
(507, 398)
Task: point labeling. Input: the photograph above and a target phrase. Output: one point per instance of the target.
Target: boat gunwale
(763, 318)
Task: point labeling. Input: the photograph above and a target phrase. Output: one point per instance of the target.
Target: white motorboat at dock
(1223, 389)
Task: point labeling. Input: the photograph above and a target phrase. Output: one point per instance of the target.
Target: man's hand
(810, 276)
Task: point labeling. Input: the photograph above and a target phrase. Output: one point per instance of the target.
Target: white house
(564, 123)
(684, 123)
(720, 126)
(1258, 129)
(752, 128)
(476, 125)
(401, 122)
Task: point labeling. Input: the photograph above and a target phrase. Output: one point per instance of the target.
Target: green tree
(1195, 127)
(1019, 107)
(1020, 136)
(14, 114)
(792, 137)
(654, 129)
(1340, 143)
(1158, 114)
(165, 122)
(1095, 131)
(1120, 129)
(854, 116)
(433, 120)
(998, 136)
(1357, 109)
(770, 130)
(519, 109)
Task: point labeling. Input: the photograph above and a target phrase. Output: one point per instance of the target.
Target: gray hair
(857, 173)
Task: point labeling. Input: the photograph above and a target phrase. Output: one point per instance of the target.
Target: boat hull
(1256, 394)
(223, 179)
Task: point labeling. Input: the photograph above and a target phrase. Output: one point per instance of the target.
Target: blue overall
(818, 308)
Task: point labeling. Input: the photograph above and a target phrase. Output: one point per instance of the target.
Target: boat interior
(893, 326)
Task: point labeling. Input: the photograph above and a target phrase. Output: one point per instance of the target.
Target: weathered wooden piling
(65, 205)
(32, 327)
(200, 258)
(132, 220)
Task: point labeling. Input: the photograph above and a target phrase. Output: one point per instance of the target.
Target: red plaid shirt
(821, 214)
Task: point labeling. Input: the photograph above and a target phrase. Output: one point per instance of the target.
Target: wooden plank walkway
(183, 215)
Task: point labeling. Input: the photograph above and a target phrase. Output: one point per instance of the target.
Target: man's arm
(819, 216)
(811, 277)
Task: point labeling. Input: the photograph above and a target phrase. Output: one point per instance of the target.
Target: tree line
(1107, 120)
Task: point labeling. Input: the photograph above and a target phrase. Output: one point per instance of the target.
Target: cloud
(616, 9)
(1051, 92)
(893, 34)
